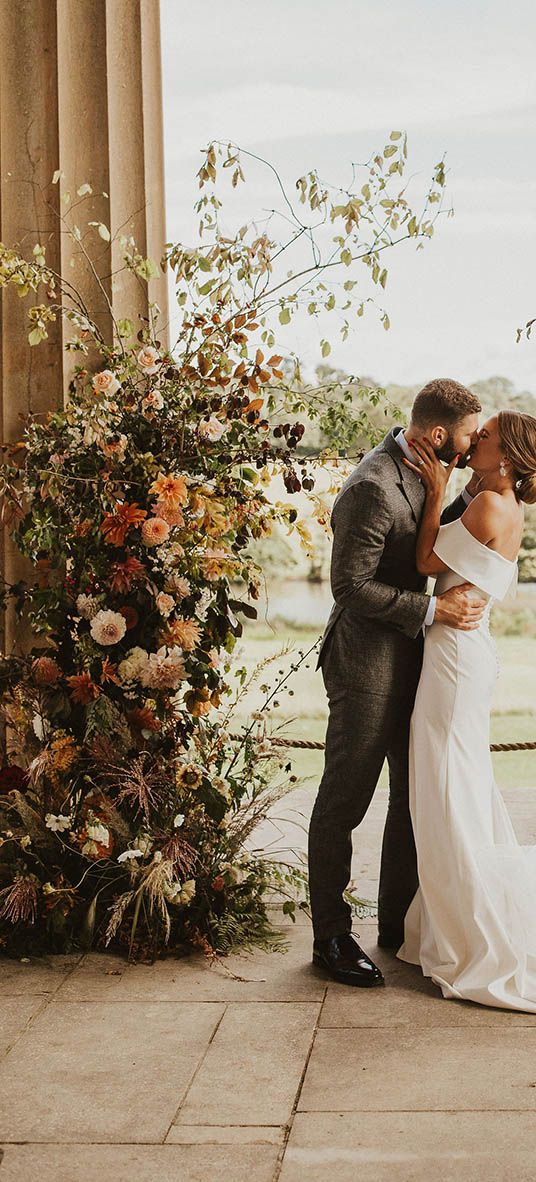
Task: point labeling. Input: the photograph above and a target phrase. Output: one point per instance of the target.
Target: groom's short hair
(442, 403)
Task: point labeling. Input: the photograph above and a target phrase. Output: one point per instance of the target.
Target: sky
(321, 83)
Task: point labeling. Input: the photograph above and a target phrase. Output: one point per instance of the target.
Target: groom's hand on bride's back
(459, 609)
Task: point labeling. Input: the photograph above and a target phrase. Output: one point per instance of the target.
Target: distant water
(309, 604)
(298, 602)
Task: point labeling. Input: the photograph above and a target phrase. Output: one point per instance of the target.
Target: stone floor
(262, 1070)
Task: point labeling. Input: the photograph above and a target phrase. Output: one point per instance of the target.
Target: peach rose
(148, 359)
(114, 445)
(165, 603)
(212, 429)
(105, 382)
(153, 401)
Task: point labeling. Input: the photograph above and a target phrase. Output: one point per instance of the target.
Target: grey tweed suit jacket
(373, 638)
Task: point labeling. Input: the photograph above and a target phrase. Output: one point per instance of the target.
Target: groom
(371, 656)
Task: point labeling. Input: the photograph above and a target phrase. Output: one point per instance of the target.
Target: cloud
(258, 114)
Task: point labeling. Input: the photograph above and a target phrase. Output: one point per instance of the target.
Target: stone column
(80, 91)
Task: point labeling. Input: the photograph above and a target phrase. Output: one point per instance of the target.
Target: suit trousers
(364, 729)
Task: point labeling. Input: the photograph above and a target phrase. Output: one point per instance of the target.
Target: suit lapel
(408, 482)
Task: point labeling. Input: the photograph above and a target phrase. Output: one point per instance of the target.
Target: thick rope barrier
(310, 745)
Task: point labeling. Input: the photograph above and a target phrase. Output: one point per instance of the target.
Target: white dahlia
(165, 669)
(108, 627)
(87, 606)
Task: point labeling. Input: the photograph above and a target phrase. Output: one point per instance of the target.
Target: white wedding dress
(471, 925)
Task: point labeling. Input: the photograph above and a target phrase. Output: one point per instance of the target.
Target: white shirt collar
(404, 446)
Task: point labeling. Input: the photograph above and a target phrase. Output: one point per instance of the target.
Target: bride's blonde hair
(517, 433)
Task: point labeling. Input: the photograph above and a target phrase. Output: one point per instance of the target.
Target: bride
(471, 925)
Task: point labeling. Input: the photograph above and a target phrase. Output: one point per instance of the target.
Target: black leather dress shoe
(388, 938)
(342, 957)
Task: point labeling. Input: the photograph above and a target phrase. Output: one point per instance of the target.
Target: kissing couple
(409, 678)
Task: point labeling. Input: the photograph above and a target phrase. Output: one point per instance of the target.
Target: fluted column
(80, 91)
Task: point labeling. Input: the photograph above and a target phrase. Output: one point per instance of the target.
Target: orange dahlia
(116, 525)
(125, 574)
(171, 489)
(45, 671)
(83, 688)
(143, 719)
(108, 672)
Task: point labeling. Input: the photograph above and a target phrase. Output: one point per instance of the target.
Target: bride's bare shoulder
(484, 513)
(494, 517)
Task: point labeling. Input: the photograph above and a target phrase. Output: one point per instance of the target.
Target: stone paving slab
(253, 1067)
(99, 1072)
(139, 1163)
(408, 1000)
(35, 975)
(421, 1070)
(260, 976)
(416, 1147)
(16, 1013)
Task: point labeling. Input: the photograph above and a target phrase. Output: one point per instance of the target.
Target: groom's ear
(437, 437)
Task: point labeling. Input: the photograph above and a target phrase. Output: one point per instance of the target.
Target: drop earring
(502, 468)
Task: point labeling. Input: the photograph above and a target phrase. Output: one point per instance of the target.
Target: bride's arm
(428, 562)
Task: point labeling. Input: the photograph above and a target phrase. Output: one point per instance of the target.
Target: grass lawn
(301, 709)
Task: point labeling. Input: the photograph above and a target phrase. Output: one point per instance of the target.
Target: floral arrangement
(126, 798)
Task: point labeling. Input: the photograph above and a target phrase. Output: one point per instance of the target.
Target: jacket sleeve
(454, 510)
(361, 521)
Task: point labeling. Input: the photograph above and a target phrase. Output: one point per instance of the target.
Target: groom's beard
(449, 451)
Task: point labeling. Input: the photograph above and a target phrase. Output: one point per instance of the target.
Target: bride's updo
(517, 433)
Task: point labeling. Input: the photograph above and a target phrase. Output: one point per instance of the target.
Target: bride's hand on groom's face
(432, 472)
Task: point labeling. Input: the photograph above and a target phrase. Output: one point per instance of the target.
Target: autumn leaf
(254, 405)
